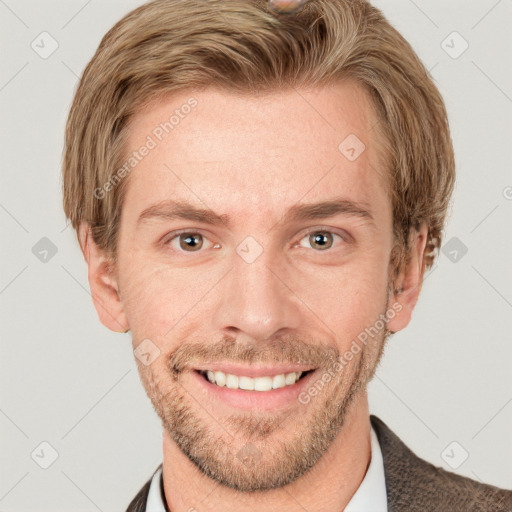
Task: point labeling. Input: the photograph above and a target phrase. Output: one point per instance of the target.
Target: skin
(252, 158)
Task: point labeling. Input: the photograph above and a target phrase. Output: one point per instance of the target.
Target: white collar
(370, 496)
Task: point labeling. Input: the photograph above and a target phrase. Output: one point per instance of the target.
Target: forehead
(256, 153)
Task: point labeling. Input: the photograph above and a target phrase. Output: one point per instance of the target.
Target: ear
(103, 283)
(408, 283)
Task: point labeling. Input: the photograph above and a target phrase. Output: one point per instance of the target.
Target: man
(258, 193)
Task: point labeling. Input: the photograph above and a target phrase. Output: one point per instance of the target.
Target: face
(254, 250)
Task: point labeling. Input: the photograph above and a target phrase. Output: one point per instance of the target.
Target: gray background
(444, 385)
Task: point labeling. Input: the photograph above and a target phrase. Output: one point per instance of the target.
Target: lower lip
(250, 400)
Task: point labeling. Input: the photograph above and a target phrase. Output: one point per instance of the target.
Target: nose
(256, 299)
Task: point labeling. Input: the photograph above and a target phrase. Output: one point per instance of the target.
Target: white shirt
(370, 496)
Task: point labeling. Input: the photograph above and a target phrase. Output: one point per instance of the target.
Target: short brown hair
(242, 46)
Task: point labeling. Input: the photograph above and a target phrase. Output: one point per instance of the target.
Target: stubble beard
(259, 452)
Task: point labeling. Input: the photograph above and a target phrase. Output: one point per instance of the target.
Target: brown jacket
(414, 485)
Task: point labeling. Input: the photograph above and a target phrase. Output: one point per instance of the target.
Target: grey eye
(321, 240)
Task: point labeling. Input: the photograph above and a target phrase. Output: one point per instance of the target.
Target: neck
(328, 486)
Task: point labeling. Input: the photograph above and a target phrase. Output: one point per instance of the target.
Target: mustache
(284, 350)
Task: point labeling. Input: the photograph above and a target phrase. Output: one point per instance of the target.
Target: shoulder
(415, 484)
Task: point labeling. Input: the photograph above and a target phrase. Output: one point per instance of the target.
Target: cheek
(157, 297)
(142, 300)
(346, 299)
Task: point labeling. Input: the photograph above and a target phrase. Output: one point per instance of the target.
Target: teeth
(231, 381)
(290, 378)
(279, 381)
(246, 383)
(219, 378)
(263, 384)
(253, 384)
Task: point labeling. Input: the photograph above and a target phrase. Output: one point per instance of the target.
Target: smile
(263, 383)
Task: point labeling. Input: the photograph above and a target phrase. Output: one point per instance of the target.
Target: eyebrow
(173, 210)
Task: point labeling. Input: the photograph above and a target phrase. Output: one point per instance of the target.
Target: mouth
(266, 390)
(264, 383)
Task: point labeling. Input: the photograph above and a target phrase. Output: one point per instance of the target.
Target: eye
(187, 241)
(320, 239)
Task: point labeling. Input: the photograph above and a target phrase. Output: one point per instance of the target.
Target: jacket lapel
(415, 485)
(138, 504)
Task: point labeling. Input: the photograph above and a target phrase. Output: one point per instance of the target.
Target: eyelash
(175, 236)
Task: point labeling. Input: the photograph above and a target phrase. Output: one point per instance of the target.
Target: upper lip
(254, 370)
